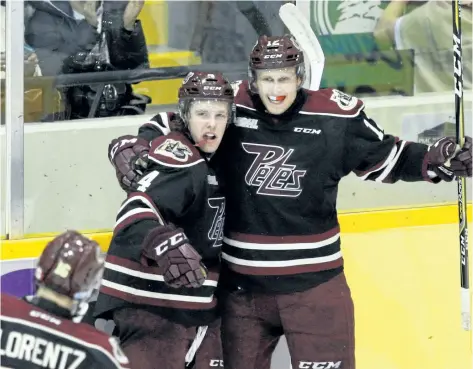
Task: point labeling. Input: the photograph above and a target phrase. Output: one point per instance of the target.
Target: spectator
(88, 36)
(30, 57)
(56, 31)
(61, 29)
(428, 31)
(215, 25)
(34, 109)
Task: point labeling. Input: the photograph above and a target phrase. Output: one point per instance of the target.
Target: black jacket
(57, 35)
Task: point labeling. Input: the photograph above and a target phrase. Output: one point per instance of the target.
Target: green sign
(328, 17)
(354, 62)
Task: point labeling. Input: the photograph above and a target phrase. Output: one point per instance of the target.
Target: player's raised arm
(128, 154)
(159, 125)
(375, 155)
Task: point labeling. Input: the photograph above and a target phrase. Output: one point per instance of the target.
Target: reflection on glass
(426, 28)
(75, 37)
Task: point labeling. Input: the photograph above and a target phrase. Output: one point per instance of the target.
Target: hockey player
(39, 332)
(163, 263)
(289, 148)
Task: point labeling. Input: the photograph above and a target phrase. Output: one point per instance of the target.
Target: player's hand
(168, 247)
(129, 155)
(448, 161)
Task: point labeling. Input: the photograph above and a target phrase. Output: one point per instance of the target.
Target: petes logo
(174, 149)
(216, 230)
(270, 173)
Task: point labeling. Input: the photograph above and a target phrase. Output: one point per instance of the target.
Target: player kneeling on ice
(282, 162)
(39, 331)
(163, 263)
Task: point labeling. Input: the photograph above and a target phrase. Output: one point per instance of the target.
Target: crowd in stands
(66, 37)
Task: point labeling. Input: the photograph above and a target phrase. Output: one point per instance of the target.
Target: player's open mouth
(276, 99)
(209, 136)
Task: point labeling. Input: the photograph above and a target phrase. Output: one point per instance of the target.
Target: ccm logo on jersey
(44, 316)
(212, 88)
(274, 56)
(319, 365)
(308, 130)
(43, 353)
(174, 149)
(171, 241)
(216, 363)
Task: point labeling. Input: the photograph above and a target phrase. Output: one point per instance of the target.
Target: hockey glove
(178, 262)
(448, 161)
(129, 155)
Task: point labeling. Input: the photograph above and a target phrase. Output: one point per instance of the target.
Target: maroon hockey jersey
(281, 178)
(33, 338)
(179, 187)
(282, 232)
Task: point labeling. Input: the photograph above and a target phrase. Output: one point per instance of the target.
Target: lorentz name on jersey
(176, 166)
(32, 338)
(281, 176)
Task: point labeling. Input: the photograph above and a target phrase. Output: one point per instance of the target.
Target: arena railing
(49, 84)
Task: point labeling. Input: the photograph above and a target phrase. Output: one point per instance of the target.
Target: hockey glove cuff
(180, 264)
(129, 155)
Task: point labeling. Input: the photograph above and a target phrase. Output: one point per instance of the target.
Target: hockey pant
(153, 342)
(318, 325)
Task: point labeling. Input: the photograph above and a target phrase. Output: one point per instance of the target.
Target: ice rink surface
(406, 287)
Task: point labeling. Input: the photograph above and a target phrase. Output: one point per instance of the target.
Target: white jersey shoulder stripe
(155, 295)
(142, 275)
(281, 246)
(284, 263)
(245, 107)
(164, 128)
(391, 164)
(166, 164)
(149, 204)
(355, 114)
